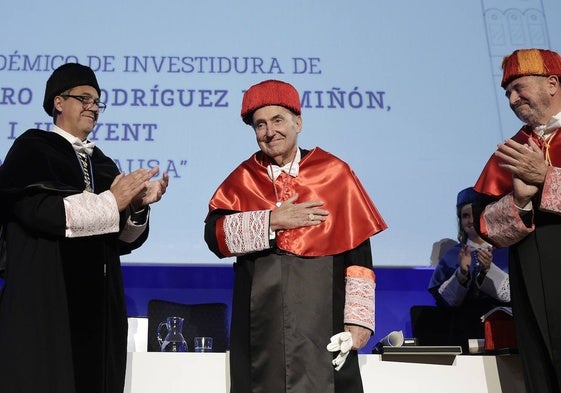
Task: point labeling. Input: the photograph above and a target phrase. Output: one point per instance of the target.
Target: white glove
(342, 342)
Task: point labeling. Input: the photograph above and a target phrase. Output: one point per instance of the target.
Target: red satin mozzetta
(496, 181)
(352, 219)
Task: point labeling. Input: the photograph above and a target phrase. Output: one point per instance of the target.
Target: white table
(151, 372)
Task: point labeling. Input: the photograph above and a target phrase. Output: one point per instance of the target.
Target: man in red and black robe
(299, 222)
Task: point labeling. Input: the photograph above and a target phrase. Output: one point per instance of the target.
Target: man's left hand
(360, 335)
(152, 193)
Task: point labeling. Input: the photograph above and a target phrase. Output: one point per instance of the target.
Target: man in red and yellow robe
(521, 208)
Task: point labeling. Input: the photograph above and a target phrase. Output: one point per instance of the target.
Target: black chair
(206, 319)
(430, 325)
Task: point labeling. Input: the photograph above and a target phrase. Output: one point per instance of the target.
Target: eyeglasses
(87, 101)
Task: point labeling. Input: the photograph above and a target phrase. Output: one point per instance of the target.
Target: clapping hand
(464, 259)
(137, 189)
(485, 258)
(527, 165)
(152, 193)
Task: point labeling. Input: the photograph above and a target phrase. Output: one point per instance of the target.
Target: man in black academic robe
(68, 214)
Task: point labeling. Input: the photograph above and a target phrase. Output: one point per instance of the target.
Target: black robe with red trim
(534, 269)
(290, 299)
(63, 320)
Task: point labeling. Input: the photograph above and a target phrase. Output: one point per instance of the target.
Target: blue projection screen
(406, 92)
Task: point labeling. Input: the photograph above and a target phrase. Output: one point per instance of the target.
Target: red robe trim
(352, 219)
(497, 181)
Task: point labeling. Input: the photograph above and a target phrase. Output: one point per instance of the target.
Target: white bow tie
(552, 124)
(83, 147)
(292, 168)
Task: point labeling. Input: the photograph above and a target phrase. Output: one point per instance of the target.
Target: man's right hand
(291, 215)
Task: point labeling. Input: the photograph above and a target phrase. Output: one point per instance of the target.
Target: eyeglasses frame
(100, 105)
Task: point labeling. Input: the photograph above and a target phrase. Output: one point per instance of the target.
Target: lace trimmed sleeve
(359, 296)
(89, 214)
(246, 232)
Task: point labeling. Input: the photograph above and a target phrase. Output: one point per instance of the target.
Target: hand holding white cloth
(342, 342)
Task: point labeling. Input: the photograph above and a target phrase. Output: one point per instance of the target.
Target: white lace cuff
(496, 284)
(359, 298)
(89, 214)
(452, 291)
(247, 232)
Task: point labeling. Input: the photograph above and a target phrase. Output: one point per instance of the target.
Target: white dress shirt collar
(292, 168)
(78, 145)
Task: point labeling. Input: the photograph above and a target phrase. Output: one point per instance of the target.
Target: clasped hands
(528, 167)
(291, 215)
(137, 190)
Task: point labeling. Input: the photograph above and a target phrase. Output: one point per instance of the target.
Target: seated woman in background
(471, 277)
(473, 270)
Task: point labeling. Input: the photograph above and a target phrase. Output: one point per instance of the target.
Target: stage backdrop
(406, 92)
